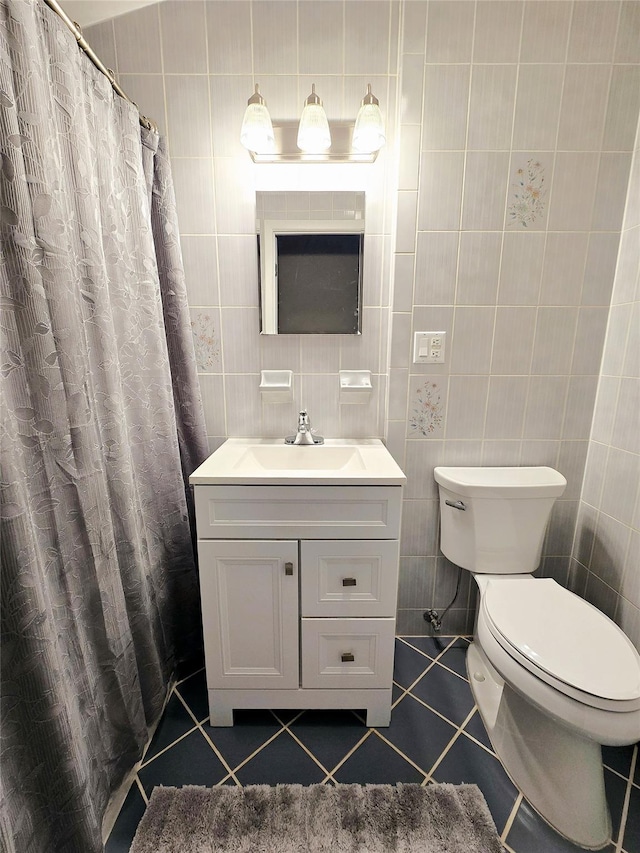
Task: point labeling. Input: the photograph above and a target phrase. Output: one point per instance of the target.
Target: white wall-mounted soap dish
(276, 386)
(355, 386)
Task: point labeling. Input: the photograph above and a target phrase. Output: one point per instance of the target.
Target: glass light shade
(257, 130)
(368, 134)
(313, 131)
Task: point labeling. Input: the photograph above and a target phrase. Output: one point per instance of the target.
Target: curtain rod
(86, 47)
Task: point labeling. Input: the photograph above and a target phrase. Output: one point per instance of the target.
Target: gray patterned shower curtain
(101, 422)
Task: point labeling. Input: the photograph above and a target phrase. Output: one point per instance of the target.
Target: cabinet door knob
(347, 657)
(349, 581)
(288, 568)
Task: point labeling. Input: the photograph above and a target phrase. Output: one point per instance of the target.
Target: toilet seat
(564, 641)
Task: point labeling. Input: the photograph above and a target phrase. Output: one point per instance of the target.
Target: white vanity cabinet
(298, 588)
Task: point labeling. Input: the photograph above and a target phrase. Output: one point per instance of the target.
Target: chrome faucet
(304, 434)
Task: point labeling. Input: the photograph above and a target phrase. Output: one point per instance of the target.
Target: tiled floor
(435, 734)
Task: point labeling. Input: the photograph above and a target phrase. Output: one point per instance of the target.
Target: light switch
(429, 347)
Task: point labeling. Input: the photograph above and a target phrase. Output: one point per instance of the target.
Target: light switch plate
(429, 347)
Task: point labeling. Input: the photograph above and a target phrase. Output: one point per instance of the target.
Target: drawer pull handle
(288, 568)
(347, 657)
(349, 582)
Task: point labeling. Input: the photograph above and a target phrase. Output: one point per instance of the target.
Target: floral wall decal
(529, 199)
(205, 340)
(427, 412)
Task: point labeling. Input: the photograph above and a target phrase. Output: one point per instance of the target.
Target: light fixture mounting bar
(286, 149)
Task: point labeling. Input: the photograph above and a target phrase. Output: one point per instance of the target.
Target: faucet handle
(303, 419)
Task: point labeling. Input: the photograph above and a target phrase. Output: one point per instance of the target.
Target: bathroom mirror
(310, 250)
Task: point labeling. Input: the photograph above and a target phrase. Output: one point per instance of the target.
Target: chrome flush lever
(456, 505)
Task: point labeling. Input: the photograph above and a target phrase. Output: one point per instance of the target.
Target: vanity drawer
(298, 512)
(349, 577)
(347, 652)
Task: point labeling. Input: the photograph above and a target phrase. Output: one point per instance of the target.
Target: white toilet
(553, 677)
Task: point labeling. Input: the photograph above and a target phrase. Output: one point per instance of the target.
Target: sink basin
(301, 458)
(242, 461)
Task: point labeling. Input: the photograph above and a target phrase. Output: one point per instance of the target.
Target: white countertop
(271, 462)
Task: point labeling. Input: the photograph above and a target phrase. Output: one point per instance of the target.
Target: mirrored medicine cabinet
(310, 251)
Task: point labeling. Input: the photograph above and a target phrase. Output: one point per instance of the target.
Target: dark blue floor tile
(448, 694)
(281, 761)
(419, 733)
(431, 646)
(329, 735)
(376, 763)
(124, 829)
(408, 665)
(618, 758)
(529, 833)
(176, 721)
(475, 727)
(194, 693)
(396, 693)
(190, 762)
(467, 762)
(249, 731)
(631, 841)
(455, 657)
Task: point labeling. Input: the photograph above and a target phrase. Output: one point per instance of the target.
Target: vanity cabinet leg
(220, 713)
(379, 714)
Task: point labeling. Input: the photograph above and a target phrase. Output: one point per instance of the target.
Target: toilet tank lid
(502, 482)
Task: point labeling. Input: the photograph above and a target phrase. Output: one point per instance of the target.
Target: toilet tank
(499, 517)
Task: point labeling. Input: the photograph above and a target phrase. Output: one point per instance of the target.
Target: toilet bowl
(553, 677)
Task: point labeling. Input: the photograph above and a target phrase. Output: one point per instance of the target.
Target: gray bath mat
(317, 819)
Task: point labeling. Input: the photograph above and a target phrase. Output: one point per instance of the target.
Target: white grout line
(166, 748)
(256, 751)
(401, 753)
(187, 677)
(440, 758)
(189, 711)
(426, 654)
(219, 755)
(196, 727)
(141, 789)
(627, 800)
(511, 818)
(352, 750)
(309, 753)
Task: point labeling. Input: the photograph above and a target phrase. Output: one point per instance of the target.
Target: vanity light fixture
(368, 134)
(311, 140)
(314, 136)
(257, 130)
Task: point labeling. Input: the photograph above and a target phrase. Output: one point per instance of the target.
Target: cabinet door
(349, 577)
(249, 593)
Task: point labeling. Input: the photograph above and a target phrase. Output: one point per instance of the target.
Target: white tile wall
(605, 548)
(529, 112)
(516, 122)
(546, 31)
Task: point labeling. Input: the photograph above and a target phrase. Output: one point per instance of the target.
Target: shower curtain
(101, 422)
